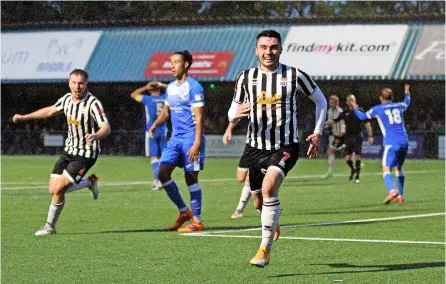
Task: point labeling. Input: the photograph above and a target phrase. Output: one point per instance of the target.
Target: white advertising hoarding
(345, 50)
(441, 147)
(45, 55)
(215, 147)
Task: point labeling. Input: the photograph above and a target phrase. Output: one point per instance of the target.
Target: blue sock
(195, 201)
(388, 181)
(156, 168)
(172, 191)
(400, 182)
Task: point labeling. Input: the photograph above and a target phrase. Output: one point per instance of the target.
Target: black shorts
(249, 155)
(283, 160)
(73, 166)
(353, 144)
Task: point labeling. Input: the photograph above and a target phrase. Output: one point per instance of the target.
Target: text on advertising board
(207, 64)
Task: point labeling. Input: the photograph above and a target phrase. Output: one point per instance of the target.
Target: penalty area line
(319, 239)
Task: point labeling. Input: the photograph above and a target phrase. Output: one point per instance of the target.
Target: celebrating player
(153, 100)
(87, 124)
(336, 131)
(184, 104)
(352, 137)
(268, 95)
(395, 141)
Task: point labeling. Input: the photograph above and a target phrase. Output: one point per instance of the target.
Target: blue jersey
(153, 105)
(390, 117)
(181, 99)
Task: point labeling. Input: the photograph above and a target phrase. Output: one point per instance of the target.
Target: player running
(390, 117)
(185, 149)
(152, 96)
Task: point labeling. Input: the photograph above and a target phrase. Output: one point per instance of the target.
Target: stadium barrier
(441, 147)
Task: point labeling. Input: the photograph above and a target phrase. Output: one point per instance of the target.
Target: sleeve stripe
(198, 104)
(303, 86)
(313, 85)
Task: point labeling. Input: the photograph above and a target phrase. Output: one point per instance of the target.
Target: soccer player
(87, 124)
(336, 131)
(353, 137)
(152, 98)
(390, 117)
(268, 94)
(184, 104)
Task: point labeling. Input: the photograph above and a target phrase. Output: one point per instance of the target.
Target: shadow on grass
(375, 268)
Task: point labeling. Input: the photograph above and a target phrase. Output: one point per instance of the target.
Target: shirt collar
(279, 67)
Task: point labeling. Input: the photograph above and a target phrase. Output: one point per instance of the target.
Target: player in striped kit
(336, 131)
(390, 117)
(152, 96)
(87, 124)
(268, 96)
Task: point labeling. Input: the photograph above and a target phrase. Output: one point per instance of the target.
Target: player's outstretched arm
(42, 113)
(136, 94)
(361, 115)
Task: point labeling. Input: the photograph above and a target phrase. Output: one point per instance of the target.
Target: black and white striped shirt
(337, 127)
(273, 98)
(83, 117)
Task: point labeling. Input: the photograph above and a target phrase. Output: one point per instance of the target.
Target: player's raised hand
(227, 137)
(243, 110)
(406, 88)
(153, 85)
(315, 145)
(17, 118)
(193, 153)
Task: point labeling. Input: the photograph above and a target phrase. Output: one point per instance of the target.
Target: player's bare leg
(57, 187)
(270, 215)
(242, 176)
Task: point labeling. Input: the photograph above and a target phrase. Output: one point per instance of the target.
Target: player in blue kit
(395, 141)
(184, 105)
(152, 96)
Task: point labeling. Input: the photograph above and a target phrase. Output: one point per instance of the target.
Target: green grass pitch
(122, 236)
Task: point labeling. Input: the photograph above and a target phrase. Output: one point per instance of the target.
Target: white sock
(54, 213)
(85, 182)
(270, 219)
(331, 159)
(244, 197)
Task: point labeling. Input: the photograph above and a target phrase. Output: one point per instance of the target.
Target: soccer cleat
(45, 231)
(277, 233)
(94, 186)
(156, 185)
(237, 214)
(399, 200)
(262, 257)
(183, 218)
(191, 227)
(327, 175)
(392, 194)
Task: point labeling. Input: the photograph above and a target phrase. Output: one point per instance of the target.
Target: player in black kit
(353, 137)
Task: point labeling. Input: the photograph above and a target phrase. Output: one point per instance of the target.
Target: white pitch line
(44, 186)
(320, 239)
(322, 224)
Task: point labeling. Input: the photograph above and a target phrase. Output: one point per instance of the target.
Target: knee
(191, 178)
(163, 175)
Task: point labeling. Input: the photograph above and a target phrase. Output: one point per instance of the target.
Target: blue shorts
(154, 146)
(394, 155)
(175, 154)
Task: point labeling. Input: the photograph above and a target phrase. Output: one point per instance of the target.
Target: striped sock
(53, 213)
(270, 219)
(173, 192)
